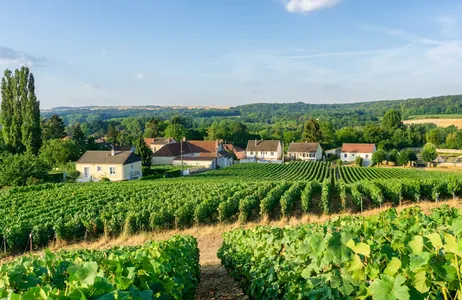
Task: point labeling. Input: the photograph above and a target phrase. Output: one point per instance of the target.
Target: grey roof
(105, 158)
(263, 145)
(303, 147)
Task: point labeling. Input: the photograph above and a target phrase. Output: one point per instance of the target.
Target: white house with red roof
(351, 151)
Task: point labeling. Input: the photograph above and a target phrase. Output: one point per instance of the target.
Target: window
(352, 154)
(98, 169)
(251, 152)
(345, 155)
(367, 155)
(312, 155)
(112, 170)
(272, 153)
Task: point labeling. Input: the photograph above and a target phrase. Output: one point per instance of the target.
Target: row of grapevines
(390, 256)
(156, 270)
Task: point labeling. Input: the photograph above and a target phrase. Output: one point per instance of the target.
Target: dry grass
(437, 122)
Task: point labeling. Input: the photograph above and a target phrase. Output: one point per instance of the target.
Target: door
(86, 172)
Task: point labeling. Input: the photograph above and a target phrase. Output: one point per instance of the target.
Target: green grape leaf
(450, 243)
(416, 244)
(457, 226)
(435, 239)
(421, 283)
(392, 267)
(360, 248)
(84, 273)
(389, 288)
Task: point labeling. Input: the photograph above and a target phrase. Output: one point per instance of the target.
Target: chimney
(112, 150)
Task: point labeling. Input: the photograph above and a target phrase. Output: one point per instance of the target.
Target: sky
(232, 52)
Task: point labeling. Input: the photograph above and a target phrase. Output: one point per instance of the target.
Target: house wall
(134, 173)
(265, 155)
(197, 163)
(166, 160)
(350, 157)
(224, 162)
(299, 155)
(121, 172)
(162, 160)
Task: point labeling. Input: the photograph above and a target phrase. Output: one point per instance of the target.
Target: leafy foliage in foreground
(389, 256)
(156, 270)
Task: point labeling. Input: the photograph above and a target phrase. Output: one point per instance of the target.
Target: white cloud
(9, 56)
(140, 76)
(306, 6)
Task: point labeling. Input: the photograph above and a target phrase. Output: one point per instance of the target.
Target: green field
(243, 192)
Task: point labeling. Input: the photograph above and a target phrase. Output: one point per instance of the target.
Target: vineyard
(156, 270)
(71, 212)
(389, 256)
(309, 171)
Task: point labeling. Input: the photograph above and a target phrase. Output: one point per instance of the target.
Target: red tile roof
(205, 148)
(238, 151)
(358, 148)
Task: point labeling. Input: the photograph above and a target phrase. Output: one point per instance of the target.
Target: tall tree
(6, 114)
(112, 134)
(151, 129)
(31, 126)
(20, 114)
(392, 119)
(143, 151)
(429, 152)
(312, 131)
(79, 138)
(176, 131)
(53, 128)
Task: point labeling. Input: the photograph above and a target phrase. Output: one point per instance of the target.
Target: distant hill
(359, 113)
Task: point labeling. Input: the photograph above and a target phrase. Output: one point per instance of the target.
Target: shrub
(172, 173)
(359, 161)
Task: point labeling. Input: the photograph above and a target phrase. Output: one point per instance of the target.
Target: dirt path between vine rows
(215, 281)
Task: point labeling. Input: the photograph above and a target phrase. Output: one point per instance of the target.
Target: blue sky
(229, 52)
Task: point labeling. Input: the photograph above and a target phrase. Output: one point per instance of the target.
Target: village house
(114, 165)
(333, 152)
(156, 143)
(263, 150)
(350, 152)
(206, 154)
(305, 151)
(237, 151)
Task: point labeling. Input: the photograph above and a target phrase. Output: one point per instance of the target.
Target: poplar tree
(20, 115)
